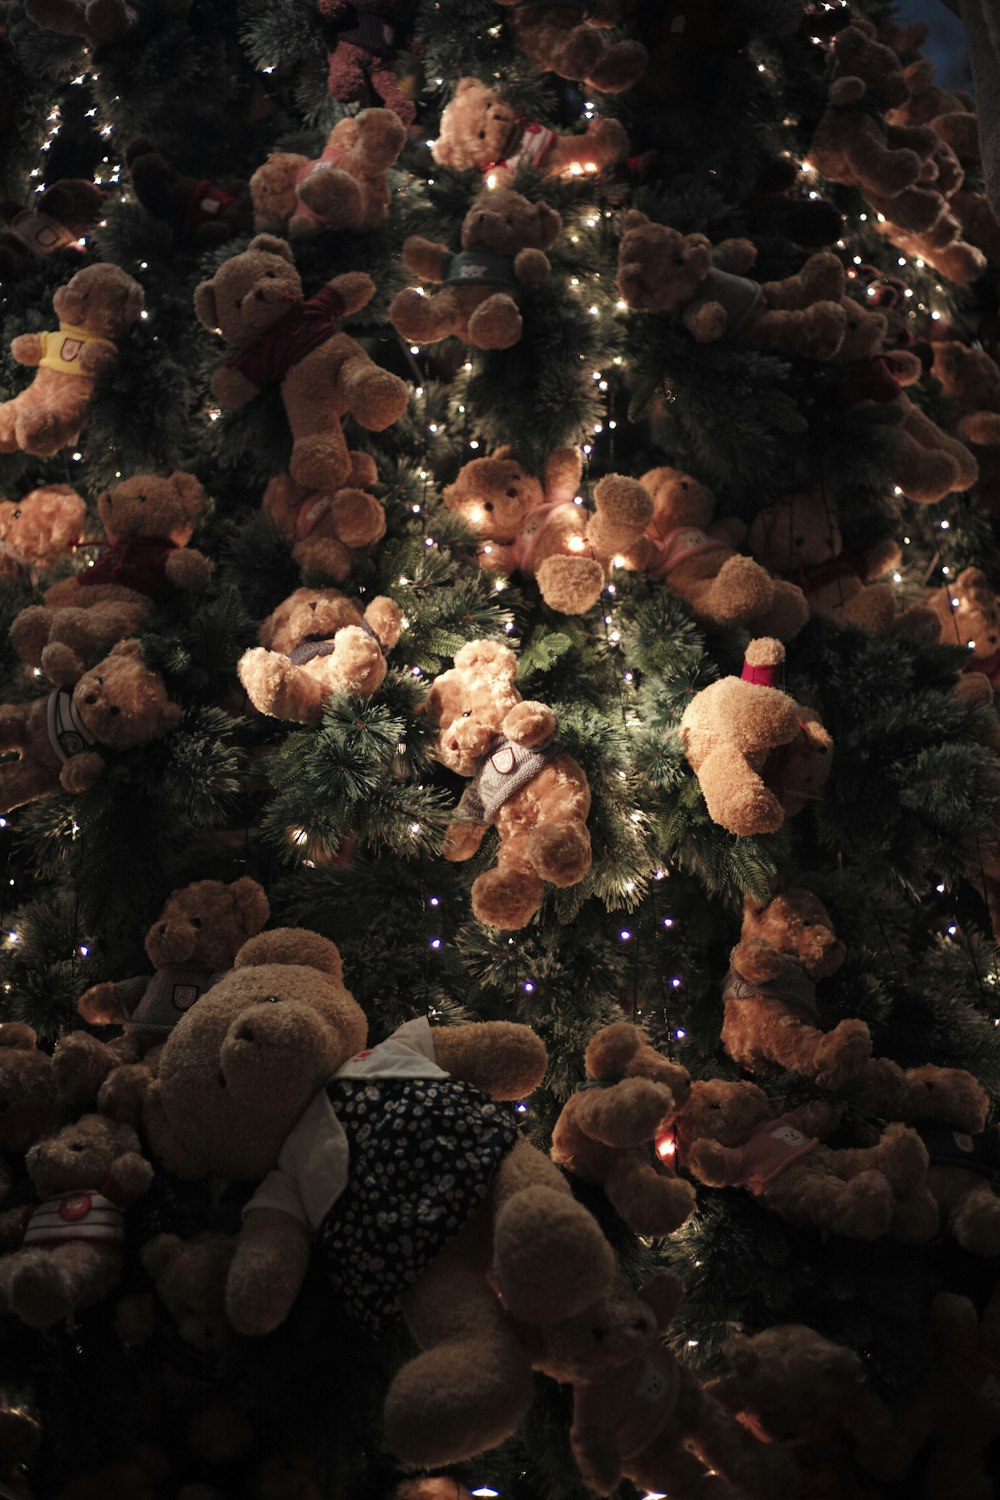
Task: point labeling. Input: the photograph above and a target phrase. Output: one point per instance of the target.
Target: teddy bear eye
(800, 541)
(114, 711)
(270, 273)
(598, 1334)
(272, 999)
(141, 499)
(512, 493)
(467, 714)
(482, 135)
(17, 515)
(195, 921)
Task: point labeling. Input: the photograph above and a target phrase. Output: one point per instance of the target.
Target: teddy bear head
(371, 141)
(28, 1092)
(45, 525)
(469, 702)
(864, 332)
(621, 1051)
(494, 495)
(122, 703)
(505, 222)
(722, 1111)
(307, 614)
(476, 126)
(82, 1155)
(153, 506)
(798, 532)
(274, 189)
(660, 269)
(190, 1277)
(678, 499)
(798, 924)
(101, 299)
(968, 376)
(950, 1095)
(968, 614)
(857, 55)
(792, 1382)
(609, 1334)
(250, 292)
(206, 923)
(240, 1067)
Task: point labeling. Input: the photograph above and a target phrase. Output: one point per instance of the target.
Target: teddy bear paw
(902, 1157)
(455, 1401)
(560, 852)
(318, 463)
(506, 899)
(916, 1218)
(666, 1203)
(61, 665)
(496, 323)
(862, 1209)
(550, 1256)
(80, 1064)
(572, 585)
(976, 1224)
(37, 1291)
(842, 1054)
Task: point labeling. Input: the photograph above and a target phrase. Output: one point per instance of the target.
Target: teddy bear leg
(45, 1285)
(43, 430)
(507, 896)
(29, 633)
(80, 1064)
(860, 1208)
(786, 615)
(735, 795)
(871, 161)
(472, 1385)
(974, 1220)
(108, 20)
(385, 617)
(572, 585)
(348, 72)
(668, 1466)
(549, 1255)
(980, 427)
(386, 85)
(421, 320)
(356, 665)
(65, 17)
(8, 425)
(319, 453)
(374, 397)
(323, 556)
(276, 687)
(570, 53)
(841, 1054)
(916, 1217)
(821, 279)
(24, 781)
(496, 323)
(740, 591)
(651, 1202)
(560, 852)
(122, 1093)
(721, 1442)
(900, 1156)
(816, 332)
(332, 194)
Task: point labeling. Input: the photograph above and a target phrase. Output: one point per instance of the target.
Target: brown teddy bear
(638, 1414)
(58, 217)
(328, 530)
(970, 378)
(317, 643)
(566, 39)
(479, 130)
(662, 271)
(504, 239)
(756, 752)
(29, 1091)
(255, 301)
(727, 1136)
(363, 56)
(95, 309)
(101, 22)
(950, 113)
(919, 221)
(71, 1256)
(40, 530)
(722, 587)
(606, 1130)
(291, 1093)
(190, 1277)
(346, 187)
(148, 521)
(537, 796)
(118, 705)
(788, 943)
(535, 528)
(967, 615)
(200, 212)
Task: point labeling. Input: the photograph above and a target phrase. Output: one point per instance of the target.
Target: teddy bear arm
(27, 348)
(531, 267)
(596, 1456)
(737, 255)
(756, 960)
(706, 1160)
(187, 568)
(707, 322)
(879, 558)
(110, 1003)
(267, 1270)
(462, 838)
(132, 1173)
(82, 771)
(123, 1093)
(95, 359)
(818, 1118)
(502, 1058)
(425, 258)
(356, 288)
(529, 723)
(906, 367)
(625, 1115)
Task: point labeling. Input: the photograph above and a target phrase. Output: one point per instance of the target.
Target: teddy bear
(606, 1132)
(346, 187)
(919, 221)
(103, 22)
(328, 530)
(756, 752)
(950, 113)
(270, 1079)
(30, 1094)
(979, 225)
(534, 527)
(362, 58)
(722, 587)
(190, 1278)
(639, 1414)
(536, 795)
(776, 205)
(970, 377)
(480, 130)
(799, 538)
(57, 218)
(40, 530)
(255, 301)
(148, 521)
(118, 705)
(726, 1135)
(85, 1175)
(663, 271)
(566, 39)
(95, 308)
(201, 212)
(504, 239)
(967, 615)
(317, 643)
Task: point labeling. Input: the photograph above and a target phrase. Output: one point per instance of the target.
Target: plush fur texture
(40, 531)
(190, 1278)
(950, 113)
(542, 826)
(200, 213)
(328, 531)
(355, 70)
(967, 615)
(31, 1097)
(101, 22)
(347, 187)
(567, 39)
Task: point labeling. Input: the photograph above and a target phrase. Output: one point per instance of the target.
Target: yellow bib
(61, 351)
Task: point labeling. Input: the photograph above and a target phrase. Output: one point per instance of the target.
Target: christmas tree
(579, 613)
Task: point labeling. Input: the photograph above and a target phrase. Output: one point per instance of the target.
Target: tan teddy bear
(118, 705)
(950, 113)
(347, 187)
(95, 309)
(40, 530)
(255, 301)
(148, 521)
(756, 752)
(479, 129)
(723, 588)
(317, 643)
(321, 1127)
(535, 528)
(504, 239)
(537, 796)
(607, 1132)
(662, 271)
(566, 39)
(328, 530)
(85, 1175)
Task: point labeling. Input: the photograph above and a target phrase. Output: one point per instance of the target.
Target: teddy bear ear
(160, 1253)
(204, 304)
(272, 244)
(738, 1352)
(190, 491)
(292, 945)
(250, 900)
(17, 1035)
(635, 219)
(549, 224)
(465, 84)
(504, 451)
(130, 647)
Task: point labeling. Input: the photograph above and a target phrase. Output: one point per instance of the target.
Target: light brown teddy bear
(723, 588)
(328, 530)
(504, 239)
(535, 528)
(537, 796)
(148, 521)
(566, 39)
(71, 1256)
(255, 301)
(29, 1091)
(317, 643)
(118, 705)
(662, 271)
(270, 1077)
(638, 1414)
(95, 309)
(727, 1136)
(478, 129)
(607, 1132)
(40, 530)
(347, 187)
(756, 752)
(950, 113)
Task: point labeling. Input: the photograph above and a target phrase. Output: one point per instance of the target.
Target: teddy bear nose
(258, 295)
(244, 1032)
